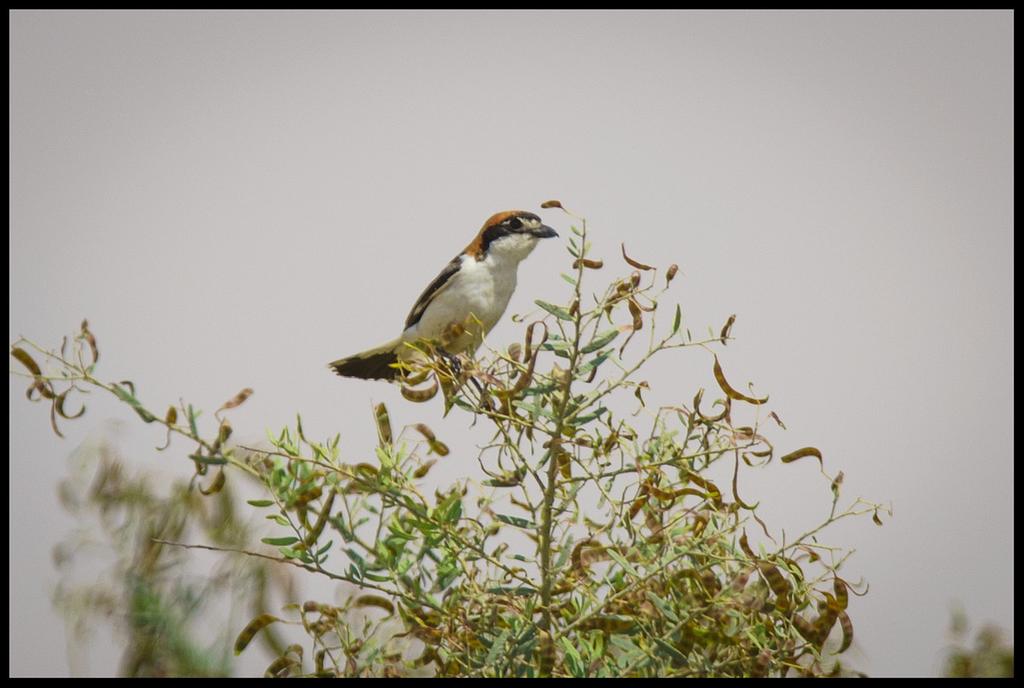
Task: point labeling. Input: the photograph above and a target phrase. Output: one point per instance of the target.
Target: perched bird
(464, 302)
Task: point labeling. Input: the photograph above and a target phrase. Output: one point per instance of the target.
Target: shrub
(596, 543)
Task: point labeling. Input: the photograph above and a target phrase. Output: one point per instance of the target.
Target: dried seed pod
(383, 418)
(636, 264)
(234, 401)
(91, 340)
(420, 395)
(223, 433)
(26, 360)
(634, 310)
(731, 392)
(724, 334)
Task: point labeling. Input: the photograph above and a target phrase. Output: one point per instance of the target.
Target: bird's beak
(544, 232)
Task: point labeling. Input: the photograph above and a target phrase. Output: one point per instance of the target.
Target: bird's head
(510, 234)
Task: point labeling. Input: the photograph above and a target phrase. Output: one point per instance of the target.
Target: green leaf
(260, 502)
(520, 590)
(576, 664)
(193, 414)
(600, 341)
(454, 511)
(625, 644)
(497, 646)
(129, 398)
(674, 653)
(559, 346)
(281, 541)
(678, 319)
(213, 460)
(563, 556)
(583, 420)
(357, 560)
(621, 561)
(450, 509)
(374, 577)
(534, 409)
(593, 363)
(663, 606)
(447, 572)
(554, 310)
(516, 521)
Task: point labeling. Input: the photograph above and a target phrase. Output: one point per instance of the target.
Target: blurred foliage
(596, 541)
(991, 656)
(146, 590)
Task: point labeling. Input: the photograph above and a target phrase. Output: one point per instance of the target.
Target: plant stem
(547, 520)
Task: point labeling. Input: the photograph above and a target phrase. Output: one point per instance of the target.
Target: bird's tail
(374, 364)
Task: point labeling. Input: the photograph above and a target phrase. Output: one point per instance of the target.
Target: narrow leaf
(497, 647)
(516, 521)
(582, 420)
(621, 561)
(600, 341)
(554, 310)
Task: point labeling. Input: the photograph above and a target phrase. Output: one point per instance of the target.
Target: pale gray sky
(234, 199)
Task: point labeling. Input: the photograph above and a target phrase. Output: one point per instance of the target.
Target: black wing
(432, 290)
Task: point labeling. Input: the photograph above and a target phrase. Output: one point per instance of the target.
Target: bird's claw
(453, 363)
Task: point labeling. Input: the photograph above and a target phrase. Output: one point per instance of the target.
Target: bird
(464, 301)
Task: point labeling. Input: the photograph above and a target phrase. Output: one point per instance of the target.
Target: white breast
(480, 290)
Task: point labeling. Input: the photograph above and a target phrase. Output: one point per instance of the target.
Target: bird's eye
(515, 223)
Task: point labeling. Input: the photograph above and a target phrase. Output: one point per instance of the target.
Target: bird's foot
(454, 364)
